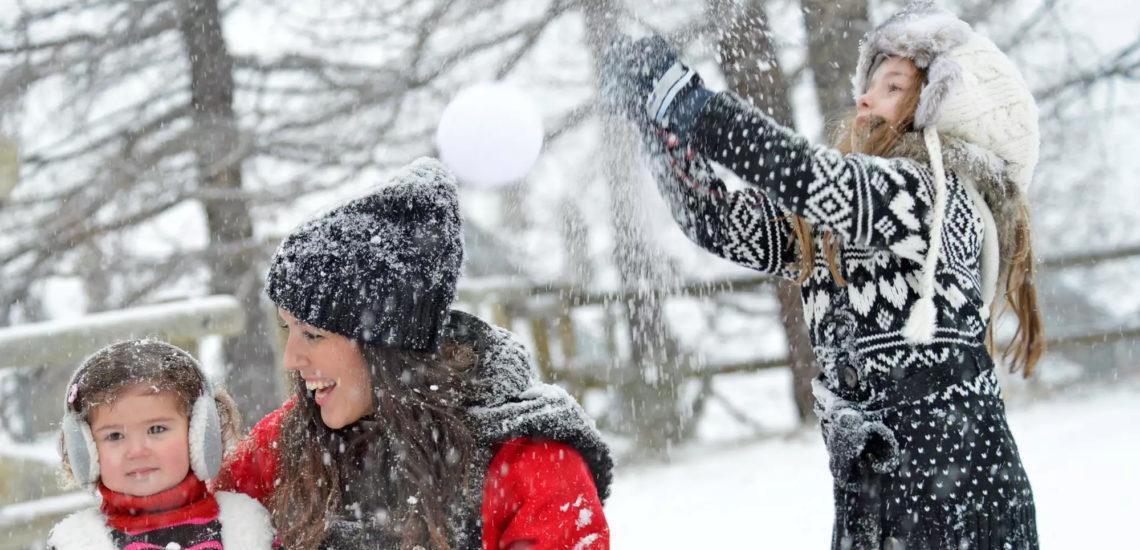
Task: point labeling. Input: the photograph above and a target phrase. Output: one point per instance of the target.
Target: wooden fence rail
(547, 311)
(61, 342)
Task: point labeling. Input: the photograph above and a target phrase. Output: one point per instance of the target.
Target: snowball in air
(490, 134)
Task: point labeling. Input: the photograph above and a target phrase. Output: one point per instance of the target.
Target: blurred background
(153, 153)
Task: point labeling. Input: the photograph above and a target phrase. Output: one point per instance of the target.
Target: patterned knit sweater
(876, 207)
(919, 447)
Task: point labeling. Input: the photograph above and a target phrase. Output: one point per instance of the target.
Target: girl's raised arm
(868, 200)
(744, 227)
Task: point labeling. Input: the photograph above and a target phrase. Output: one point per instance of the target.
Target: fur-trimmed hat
(381, 268)
(973, 94)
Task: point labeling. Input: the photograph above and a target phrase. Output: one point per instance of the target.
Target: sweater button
(893, 543)
(841, 331)
(850, 376)
(173, 546)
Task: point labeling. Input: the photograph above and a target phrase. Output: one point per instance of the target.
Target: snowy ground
(1080, 450)
(735, 488)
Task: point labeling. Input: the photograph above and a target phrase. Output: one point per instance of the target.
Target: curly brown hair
(119, 368)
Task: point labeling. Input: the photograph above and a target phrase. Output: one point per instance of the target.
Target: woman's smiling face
(334, 371)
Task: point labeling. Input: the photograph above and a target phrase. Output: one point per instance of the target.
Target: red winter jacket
(536, 491)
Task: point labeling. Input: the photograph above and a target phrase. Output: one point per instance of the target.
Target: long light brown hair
(415, 446)
(1016, 276)
(879, 139)
(1017, 279)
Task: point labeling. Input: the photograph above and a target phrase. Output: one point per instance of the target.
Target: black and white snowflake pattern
(959, 480)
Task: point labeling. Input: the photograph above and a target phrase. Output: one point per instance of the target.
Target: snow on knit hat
(973, 93)
(381, 268)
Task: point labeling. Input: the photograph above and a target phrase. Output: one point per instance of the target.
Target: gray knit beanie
(381, 268)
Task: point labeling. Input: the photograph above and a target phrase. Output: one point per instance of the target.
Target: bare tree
(748, 59)
(155, 121)
(218, 151)
(833, 31)
(126, 158)
(648, 386)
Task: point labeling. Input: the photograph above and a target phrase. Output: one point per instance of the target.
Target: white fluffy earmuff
(80, 446)
(205, 431)
(205, 435)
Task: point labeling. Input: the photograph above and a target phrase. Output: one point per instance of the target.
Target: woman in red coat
(411, 425)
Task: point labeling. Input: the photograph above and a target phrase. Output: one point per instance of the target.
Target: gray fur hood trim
(921, 32)
(987, 170)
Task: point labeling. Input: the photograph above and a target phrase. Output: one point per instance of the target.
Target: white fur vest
(245, 525)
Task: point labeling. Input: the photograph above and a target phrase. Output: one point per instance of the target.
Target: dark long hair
(401, 467)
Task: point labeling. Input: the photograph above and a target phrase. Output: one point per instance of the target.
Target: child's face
(143, 442)
(333, 368)
(889, 86)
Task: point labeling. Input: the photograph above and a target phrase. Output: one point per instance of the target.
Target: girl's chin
(141, 488)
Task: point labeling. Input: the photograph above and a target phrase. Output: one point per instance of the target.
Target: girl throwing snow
(143, 428)
(412, 425)
(901, 237)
